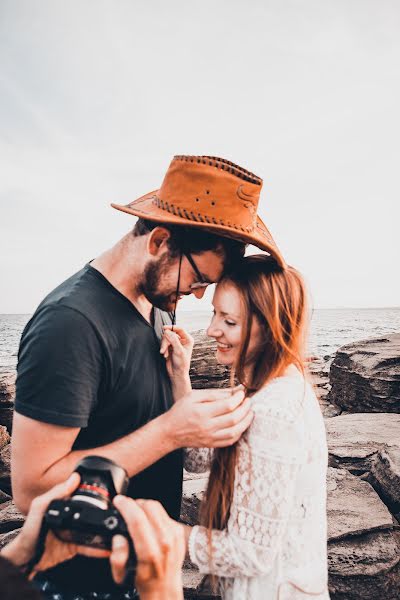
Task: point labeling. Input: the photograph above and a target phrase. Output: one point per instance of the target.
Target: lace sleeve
(197, 460)
(269, 458)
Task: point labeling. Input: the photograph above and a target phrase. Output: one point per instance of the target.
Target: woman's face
(227, 325)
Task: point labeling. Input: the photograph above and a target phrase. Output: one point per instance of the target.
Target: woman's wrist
(181, 385)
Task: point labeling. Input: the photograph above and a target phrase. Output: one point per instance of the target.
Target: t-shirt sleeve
(60, 363)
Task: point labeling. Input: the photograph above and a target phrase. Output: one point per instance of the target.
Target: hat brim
(145, 208)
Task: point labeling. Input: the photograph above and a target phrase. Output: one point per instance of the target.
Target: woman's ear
(157, 243)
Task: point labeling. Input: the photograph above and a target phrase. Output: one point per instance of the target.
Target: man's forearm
(134, 452)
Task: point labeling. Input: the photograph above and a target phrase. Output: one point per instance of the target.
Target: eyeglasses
(201, 283)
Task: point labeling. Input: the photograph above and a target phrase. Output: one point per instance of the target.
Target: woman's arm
(270, 455)
(176, 347)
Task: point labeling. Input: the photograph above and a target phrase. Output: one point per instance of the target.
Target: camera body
(84, 524)
(88, 517)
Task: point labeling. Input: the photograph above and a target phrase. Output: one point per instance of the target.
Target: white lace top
(275, 544)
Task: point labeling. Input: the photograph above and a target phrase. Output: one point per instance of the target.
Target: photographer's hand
(160, 548)
(22, 549)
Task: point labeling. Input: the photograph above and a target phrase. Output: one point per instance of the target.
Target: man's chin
(163, 303)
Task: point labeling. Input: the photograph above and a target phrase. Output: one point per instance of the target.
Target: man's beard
(152, 277)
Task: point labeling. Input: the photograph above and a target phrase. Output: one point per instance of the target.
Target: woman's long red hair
(276, 298)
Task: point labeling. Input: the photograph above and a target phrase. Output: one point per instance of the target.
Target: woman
(263, 520)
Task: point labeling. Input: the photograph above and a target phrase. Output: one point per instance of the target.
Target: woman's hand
(159, 543)
(22, 549)
(176, 347)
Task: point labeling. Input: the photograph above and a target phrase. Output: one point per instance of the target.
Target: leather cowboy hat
(210, 193)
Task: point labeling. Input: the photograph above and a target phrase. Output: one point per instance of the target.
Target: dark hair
(14, 585)
(194, 240)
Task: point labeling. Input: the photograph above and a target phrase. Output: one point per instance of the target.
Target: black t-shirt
(89, 359)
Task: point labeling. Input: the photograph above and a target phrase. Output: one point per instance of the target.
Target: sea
(330, 329)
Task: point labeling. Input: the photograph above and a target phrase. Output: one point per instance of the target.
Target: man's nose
(199, 293)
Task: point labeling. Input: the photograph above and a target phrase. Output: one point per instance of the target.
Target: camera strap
(177, 291)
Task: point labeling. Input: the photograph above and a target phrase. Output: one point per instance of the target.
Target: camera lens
(101, 480)
(88, 516)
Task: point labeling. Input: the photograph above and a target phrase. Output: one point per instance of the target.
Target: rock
(355, 439)
(4, 497)
(7, 395)
(204, 370)
(195, 585)
(6, 416)
(10, 517)
(319, 381)
(365, 567)
(4, 437)
(6, 538)
(320, 366)
(5, 469)
(363, 552)
(193, 490)
(385, 477)
(353, 506)
(365, 376)
(7, 388)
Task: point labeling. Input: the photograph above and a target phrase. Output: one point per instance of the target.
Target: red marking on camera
(95, 488)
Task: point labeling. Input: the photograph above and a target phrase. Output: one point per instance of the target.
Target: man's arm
(42, 454)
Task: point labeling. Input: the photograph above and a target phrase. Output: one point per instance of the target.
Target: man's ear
(157, 243)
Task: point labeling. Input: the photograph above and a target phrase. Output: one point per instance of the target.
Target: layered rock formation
(365, 376)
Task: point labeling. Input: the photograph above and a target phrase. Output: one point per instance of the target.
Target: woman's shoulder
(282, 397)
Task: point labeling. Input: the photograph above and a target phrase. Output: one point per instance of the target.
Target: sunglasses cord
(177, 291)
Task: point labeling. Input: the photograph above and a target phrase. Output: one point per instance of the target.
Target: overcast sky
(96, 96)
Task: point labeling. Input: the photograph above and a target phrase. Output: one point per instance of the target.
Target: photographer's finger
(119, 557)
(61, 490)
(141, 531)
(160, 522)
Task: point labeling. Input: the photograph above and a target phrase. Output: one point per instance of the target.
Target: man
(91, 379)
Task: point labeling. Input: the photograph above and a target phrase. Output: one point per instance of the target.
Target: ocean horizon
(330, 328)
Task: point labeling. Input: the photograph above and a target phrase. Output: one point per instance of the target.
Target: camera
(88, 517)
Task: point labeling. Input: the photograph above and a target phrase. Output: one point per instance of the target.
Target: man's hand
(212, 418)
(159, 543)
(22, 549)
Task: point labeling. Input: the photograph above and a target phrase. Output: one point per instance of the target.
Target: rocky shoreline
(359, 394)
